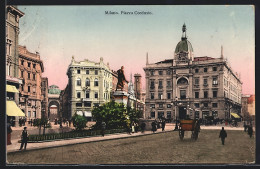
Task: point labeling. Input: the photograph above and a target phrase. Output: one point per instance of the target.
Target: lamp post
(175, 102)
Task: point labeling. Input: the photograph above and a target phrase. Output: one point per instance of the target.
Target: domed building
(191, 87)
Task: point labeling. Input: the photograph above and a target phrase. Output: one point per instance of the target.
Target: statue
(121, 79)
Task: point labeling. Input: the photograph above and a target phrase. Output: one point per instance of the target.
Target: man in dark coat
(153, 126)
(24, 139)
(143, 127)
(223, 135)
(163, 125)
(250, 131)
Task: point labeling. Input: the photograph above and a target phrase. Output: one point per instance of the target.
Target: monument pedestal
(121, 96)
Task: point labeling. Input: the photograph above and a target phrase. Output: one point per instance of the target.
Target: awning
(10, 88)
(79, 113)
(235, 115)
(12, 109)
(86, 113)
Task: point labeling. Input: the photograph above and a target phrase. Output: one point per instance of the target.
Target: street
(159, 148)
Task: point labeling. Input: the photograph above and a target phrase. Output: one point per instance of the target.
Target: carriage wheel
(181, 134)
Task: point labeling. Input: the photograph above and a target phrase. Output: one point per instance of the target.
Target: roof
(203, 58)
(165, 61)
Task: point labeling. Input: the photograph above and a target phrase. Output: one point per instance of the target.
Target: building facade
(30, 71)
(90, 84)
(12, 58)
(248, 107)
(54, 105)
(197, 87)
(44, 92)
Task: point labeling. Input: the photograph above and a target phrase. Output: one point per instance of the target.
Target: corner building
(90, 84)
(193, 86)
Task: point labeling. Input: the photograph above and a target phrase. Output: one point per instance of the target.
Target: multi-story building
(193, 86)
(248, 107)
(31, 68)
(44, 92)
(90, 84)
(12, 65)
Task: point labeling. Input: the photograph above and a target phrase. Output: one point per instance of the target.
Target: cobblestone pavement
(159, 148)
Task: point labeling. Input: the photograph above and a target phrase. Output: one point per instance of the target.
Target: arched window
(96, 82)
(87, 82)
(78, 82)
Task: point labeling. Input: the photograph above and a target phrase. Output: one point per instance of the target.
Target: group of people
(64, 121)
(155, 125)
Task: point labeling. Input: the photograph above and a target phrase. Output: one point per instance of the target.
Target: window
(196, 70)
(205, 104)
(214, 69)
(152, 72)
(205, 69)
(215, 94)
(197, 105)
(96, 82)
(152, 84)
(160, 72)
(160, 105)
(96, 72)
(214, 80)
(205, 94)
(34, 89)
(183, 94)
(78, 104)
(152, 114)
(34, 65)
(87, 72)
(22, 87)
(160, 96)
(168, 83)
(29, 75)
(29, 88)
(78, 94)
(29, 64)
(78, 82)
(160, 114)
(78, 71)
(22, 61)
(152, 95)
(197, 95)
(29, 114)
(160, 84)
(87, 95)
(214, 104)
(197, 114)
(197, 81)
(87, 82)
(169, 115)
(96, 95)
(87, 104)
(205, 82)
(215, 114)
(169, 105)
(168, 72)
(152, 105)
(168, 95)
(21, 74)
(33, 76)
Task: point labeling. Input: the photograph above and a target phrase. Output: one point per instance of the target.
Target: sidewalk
(14, 147)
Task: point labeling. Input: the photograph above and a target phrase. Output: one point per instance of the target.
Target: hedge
(74, 134)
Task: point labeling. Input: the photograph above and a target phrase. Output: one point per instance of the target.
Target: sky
(86, 32)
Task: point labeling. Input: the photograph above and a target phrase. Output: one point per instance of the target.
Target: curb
(87, 141)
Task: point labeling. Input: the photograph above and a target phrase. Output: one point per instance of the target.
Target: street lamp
(175, 105)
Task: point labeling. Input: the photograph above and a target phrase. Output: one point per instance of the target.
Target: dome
(184, 46)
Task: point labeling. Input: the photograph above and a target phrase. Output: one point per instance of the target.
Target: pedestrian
(103, 128)
(163, 125)
(154, 126)
(69, 122)
(250, 131)
(133, 127)
(245, 126)
(223, 135)
(24, 138)
(143, 127)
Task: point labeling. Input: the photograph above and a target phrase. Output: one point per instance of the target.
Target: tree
(115, 115)
(79, 122)
(43, 122)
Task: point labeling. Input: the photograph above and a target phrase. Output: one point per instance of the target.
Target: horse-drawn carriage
(189, 125)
